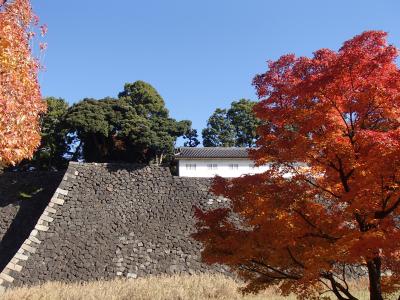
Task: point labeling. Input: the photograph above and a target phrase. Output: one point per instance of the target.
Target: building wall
(224, 168)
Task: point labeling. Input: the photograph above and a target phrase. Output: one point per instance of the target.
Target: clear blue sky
(199, 54)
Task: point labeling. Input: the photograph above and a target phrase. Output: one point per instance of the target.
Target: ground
(184, 287)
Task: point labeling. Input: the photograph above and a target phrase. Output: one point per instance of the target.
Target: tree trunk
(159, 159)
(374, 274)
(340, 291)
(75, 155)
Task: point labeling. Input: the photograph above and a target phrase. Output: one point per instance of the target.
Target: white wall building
(211, 161)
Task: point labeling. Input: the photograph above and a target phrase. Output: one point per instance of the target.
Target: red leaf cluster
(328, 208)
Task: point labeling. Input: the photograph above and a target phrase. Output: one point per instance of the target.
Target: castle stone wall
(110, 220)
(23, 197)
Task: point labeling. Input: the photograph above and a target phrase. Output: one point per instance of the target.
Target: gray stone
(50, 210)
(57, 201)
(143, 227)
(131, 275)
(28, 248)
(21, 256)
(14, 267)
(34, 239)
(41, 227)
(61, 191)
(46, 218)
(6, 277)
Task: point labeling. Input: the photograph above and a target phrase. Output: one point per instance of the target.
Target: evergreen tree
(136, 127)
(191, 138)
(219, 132)
(235, 126)
(54, 144)
(242, 118)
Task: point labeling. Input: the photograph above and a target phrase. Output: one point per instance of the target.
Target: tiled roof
(212, 152)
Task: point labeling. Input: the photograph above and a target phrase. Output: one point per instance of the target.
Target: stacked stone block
(115, 220)
(30, 245)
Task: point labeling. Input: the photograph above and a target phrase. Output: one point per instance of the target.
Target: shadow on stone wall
(120, 220)
(23, 197)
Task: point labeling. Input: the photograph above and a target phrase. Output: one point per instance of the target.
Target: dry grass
(153, 288)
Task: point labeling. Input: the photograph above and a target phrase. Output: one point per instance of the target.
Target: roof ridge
(213, 152)
(218, 147)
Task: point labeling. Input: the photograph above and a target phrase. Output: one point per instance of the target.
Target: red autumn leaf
(329, 207)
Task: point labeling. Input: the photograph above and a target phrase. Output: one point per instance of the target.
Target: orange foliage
(328, 208)
(20, 99)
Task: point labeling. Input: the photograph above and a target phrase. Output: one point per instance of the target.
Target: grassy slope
(153, 288)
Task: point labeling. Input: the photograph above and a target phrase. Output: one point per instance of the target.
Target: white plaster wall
(223, 168)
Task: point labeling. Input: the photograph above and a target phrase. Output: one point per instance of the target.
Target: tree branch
(322, 236)
(321, 188)
(384, 213)
(294, 259)
(321, 233)
(338, 288)
(282, 273)
(344, 177)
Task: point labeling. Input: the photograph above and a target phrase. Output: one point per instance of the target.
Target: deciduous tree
(20, 99)
(328, 210)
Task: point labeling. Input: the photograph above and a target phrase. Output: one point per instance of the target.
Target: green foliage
(145, 99)
(136, 127)
(53, 146)
(219, 131)
(233, 127)
(92, 122)
(191, 138)
(242, 118)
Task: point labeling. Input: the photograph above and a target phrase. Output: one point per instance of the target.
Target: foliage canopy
(235, 126)
(329, 207)
(136, 127)
(54, 144)
(20, 99)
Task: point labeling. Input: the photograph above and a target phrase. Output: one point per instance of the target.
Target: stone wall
(108, 220)
(23, 197)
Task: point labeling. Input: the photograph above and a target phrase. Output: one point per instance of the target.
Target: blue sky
(199, 55)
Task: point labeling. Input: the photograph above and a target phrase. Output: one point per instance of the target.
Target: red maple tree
(20, 98)
(327, 210)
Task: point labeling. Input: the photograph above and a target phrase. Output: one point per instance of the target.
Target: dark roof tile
(212, 152)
